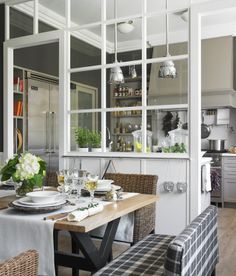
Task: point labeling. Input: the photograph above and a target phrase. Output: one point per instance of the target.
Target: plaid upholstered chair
(144, 218)
(25, 264)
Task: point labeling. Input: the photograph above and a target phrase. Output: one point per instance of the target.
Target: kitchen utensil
(205, 129)
(217, 144)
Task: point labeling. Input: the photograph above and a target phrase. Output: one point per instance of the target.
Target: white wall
(172, 208)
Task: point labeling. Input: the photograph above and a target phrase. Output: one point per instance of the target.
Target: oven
(216, 176)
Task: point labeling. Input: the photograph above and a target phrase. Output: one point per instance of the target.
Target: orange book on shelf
(18, 108)
(21, 108)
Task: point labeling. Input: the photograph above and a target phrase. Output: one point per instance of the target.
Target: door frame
(24, 42)
(198, 11)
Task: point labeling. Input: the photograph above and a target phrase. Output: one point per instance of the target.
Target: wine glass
(60, 177)
(79, 177)
(91, 185)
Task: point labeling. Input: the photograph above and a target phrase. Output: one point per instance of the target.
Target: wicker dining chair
(144, 218)
(25, 264)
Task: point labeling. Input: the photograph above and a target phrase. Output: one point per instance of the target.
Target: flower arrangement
(26, 169)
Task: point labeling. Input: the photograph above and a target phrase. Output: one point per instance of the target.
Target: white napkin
(81, 214)
(77, 215)
(95, 210)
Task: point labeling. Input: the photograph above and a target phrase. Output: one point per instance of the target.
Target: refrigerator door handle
(47, 132)
(53, 126)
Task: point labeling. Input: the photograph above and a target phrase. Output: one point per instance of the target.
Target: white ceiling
(88, 11)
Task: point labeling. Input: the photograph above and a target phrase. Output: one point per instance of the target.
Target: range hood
(218, 81)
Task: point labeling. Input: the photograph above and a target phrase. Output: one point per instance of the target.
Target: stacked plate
(39, 202)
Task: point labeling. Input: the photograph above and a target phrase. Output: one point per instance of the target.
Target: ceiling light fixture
(125, 27)
(116, 74)
(167, 68)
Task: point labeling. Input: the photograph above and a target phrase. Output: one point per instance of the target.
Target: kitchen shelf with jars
(124, 122)
(18, 109)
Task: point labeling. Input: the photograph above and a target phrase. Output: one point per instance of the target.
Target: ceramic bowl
(104, 185)
(43, 196)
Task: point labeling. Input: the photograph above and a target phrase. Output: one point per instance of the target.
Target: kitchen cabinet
(229, 178)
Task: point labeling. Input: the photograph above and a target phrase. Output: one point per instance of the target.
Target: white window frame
(104, 66)
(196, 13)
(29, 41)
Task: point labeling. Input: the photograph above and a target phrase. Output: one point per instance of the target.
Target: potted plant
(82, 139)
(26, 170)
(95, 141)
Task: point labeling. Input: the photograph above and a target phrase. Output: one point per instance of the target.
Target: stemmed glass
(79, 177)
(91, 185)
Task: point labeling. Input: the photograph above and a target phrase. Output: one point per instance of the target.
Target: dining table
(92, 258)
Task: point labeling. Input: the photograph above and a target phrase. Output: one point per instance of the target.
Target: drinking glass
(79, 177)
(68, 180)
(91, 185)
(60, 177)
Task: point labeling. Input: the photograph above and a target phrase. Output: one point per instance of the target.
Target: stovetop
(214, 151)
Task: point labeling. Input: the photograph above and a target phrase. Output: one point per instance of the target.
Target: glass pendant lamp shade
(167, 68)
(116, 74)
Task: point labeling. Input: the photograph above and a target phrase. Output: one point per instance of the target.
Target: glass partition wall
(126, 73)
(141, 111)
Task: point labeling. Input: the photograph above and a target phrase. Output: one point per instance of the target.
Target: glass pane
(124, 8)
(129, 44)
(86, 54)
(87, 123)
(126, 94)
(55, 10)
(121, 125)
(20, 23)
(165, 91)
(43, 27)
(85, 11)
(156, 36)
(169, 130)
(86, 90)
(154, 6)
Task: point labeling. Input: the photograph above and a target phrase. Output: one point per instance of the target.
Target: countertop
(228, 154)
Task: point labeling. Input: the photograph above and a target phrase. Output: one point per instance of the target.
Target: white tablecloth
(21, 231)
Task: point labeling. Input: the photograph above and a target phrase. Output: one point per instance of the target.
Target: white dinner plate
(27, 202)
(114, 187)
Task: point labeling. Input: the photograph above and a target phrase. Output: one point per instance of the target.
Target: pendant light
(116, 74)
(167, 68)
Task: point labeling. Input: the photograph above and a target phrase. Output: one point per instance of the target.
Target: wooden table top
(111, 211)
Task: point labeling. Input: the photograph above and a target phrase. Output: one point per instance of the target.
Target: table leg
(94, 258)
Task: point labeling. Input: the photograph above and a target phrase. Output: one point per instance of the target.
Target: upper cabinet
(218, 64)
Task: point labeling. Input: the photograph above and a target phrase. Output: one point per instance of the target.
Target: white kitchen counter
(228, 154)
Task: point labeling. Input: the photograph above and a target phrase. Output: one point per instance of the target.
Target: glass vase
(22, 188)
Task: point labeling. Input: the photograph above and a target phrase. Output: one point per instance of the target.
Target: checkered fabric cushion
(144, 258)
(195, 251)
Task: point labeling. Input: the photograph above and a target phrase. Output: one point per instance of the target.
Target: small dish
(104, 185)
(43, 196)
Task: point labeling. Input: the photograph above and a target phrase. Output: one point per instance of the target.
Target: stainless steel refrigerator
(42, 119)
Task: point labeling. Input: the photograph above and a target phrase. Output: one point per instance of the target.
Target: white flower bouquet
(26, 169)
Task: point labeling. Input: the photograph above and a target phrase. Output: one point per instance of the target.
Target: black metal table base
(93, 259)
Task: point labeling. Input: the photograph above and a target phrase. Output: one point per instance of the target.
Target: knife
(58, 216)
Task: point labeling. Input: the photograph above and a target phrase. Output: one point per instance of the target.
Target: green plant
(95, 139)
(177, 148)
(82, 137)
